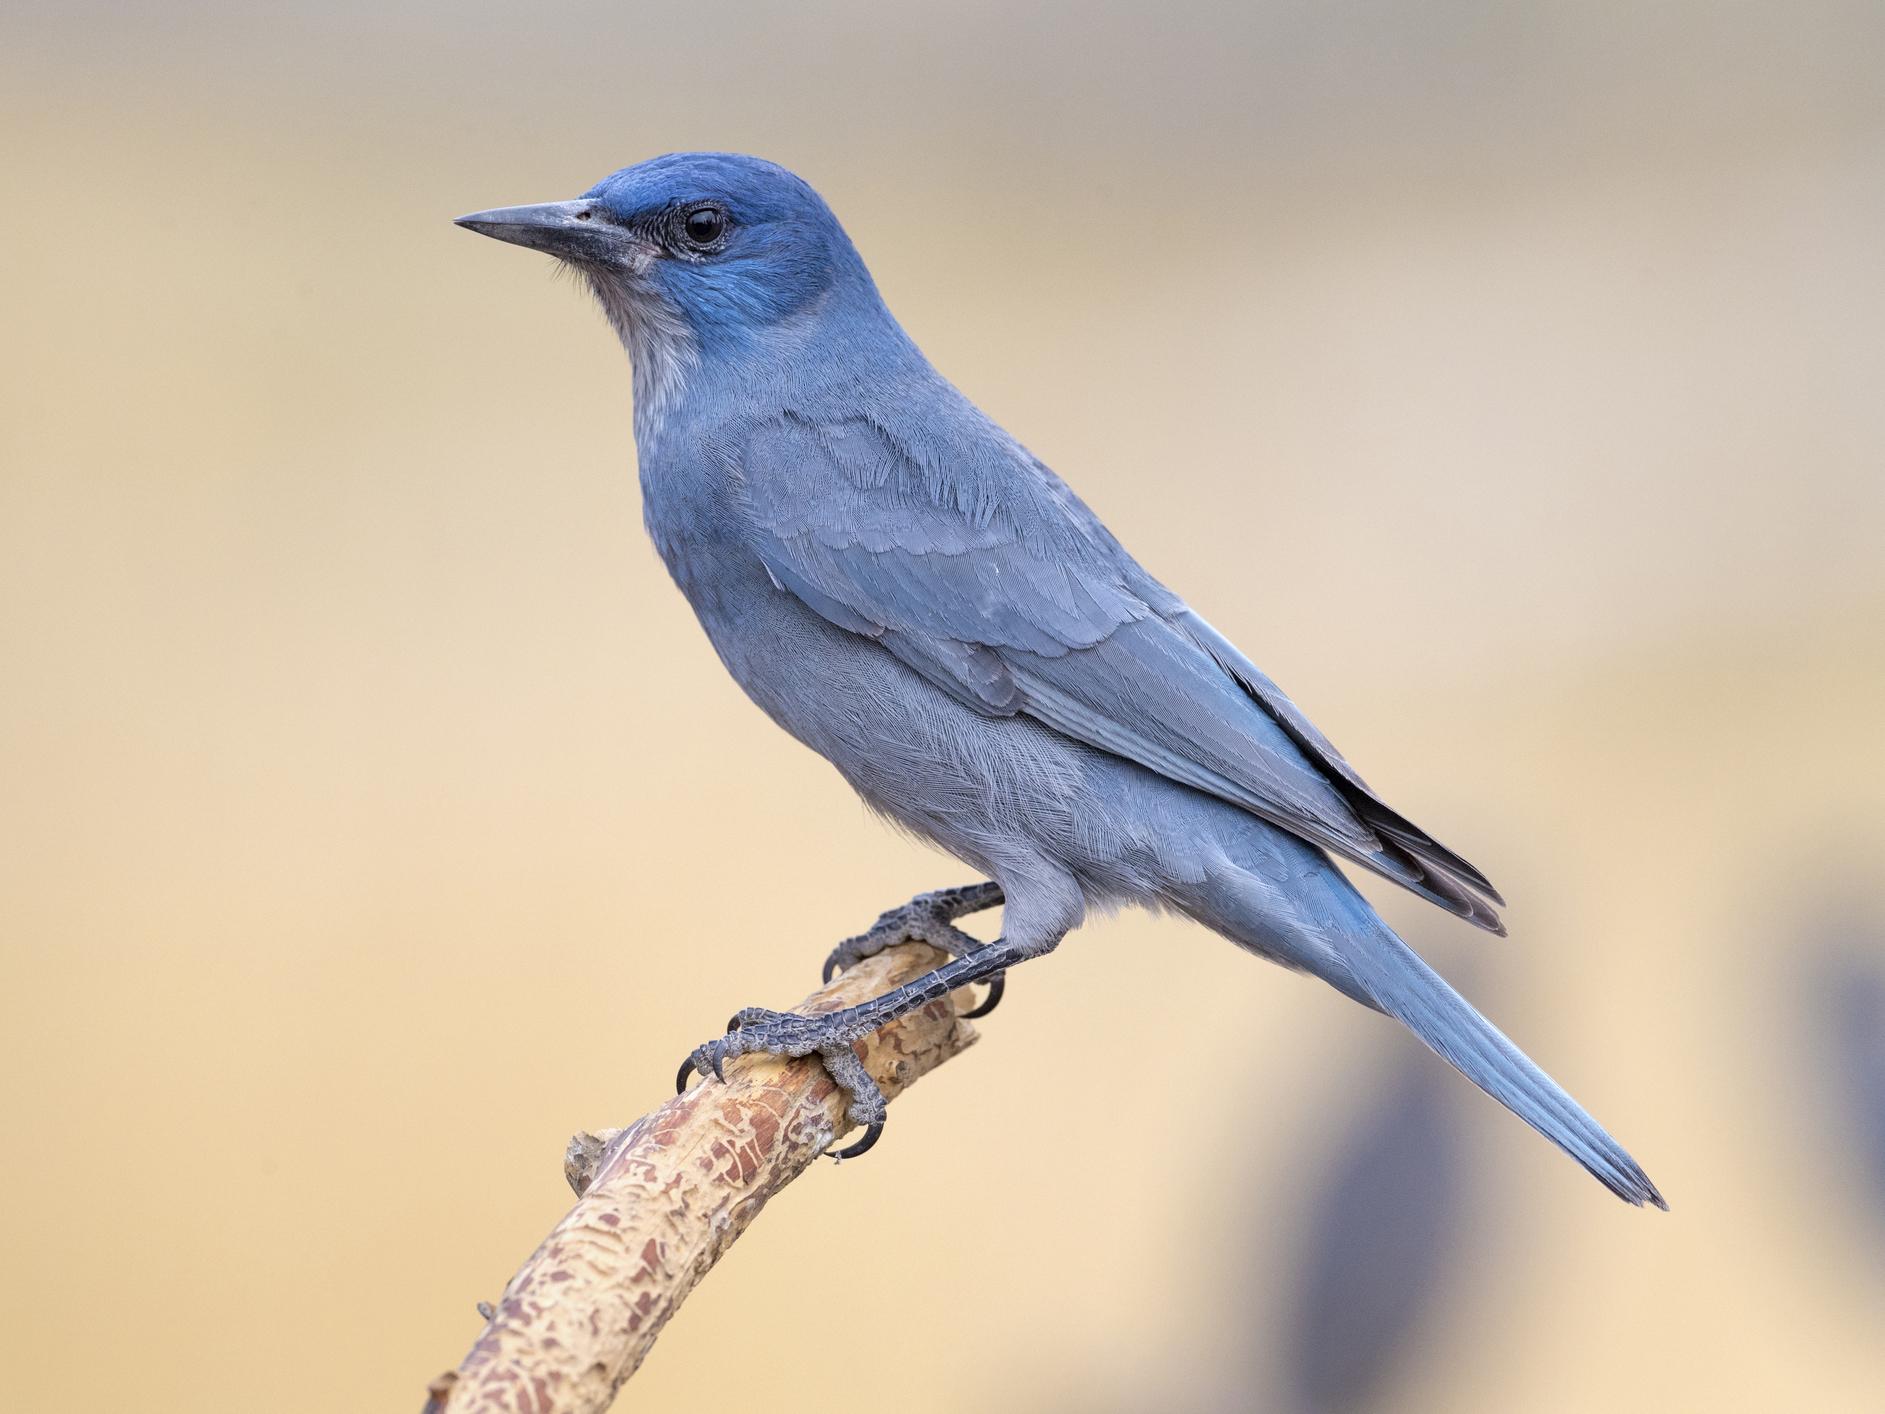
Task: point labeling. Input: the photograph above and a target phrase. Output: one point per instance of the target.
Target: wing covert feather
(983, 572)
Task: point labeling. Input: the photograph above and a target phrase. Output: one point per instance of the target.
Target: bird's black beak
(572, 230)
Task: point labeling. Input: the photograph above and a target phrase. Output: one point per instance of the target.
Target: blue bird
(903, 587)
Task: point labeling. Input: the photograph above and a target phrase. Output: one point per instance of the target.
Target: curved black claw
(702, 1060)
(996, 985)
(872, 1132)
(852, 951)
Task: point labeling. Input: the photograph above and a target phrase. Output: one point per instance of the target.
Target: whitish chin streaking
(660, 346)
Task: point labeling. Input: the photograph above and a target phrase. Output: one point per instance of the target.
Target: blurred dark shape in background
(1845, 1021)
(1374, 1242)
(1380, 1237)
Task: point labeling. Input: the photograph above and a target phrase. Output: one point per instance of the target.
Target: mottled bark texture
(660, 1201)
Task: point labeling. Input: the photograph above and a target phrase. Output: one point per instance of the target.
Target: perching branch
(660, 1202)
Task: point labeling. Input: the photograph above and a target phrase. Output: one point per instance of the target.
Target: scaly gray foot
(927, 918)
(758, 1031)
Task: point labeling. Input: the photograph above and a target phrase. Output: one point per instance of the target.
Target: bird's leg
(927, 918)
(833, 1035)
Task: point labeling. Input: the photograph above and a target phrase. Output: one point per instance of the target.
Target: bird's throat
(661, 347)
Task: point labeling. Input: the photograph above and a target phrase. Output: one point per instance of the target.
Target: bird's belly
(990, 790)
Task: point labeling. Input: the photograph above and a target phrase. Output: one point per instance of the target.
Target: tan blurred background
(1506, 379)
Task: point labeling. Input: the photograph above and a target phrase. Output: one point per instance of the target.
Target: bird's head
(693, 255)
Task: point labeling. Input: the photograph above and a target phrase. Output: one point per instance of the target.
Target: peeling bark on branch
(659, 1202)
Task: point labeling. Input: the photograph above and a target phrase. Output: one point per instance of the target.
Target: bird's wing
(978, 568)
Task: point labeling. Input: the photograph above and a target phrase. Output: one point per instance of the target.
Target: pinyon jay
(899, 584)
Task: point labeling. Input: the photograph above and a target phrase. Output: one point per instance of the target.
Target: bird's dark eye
(704, 226)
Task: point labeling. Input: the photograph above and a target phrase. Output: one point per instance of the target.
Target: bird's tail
(1395, 980)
